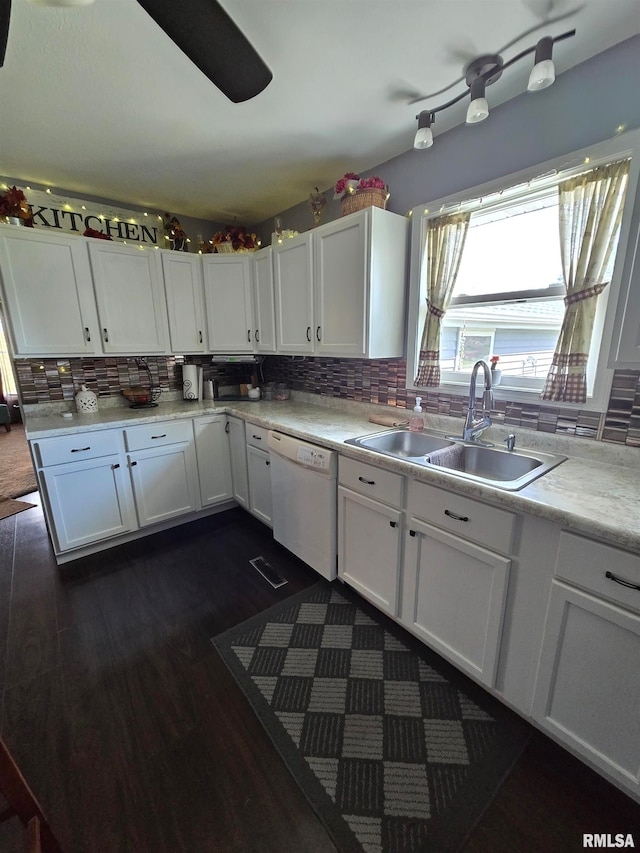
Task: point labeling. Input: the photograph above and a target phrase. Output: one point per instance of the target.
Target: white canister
(86, 400)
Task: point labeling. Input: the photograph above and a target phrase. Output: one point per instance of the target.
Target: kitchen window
(508, 298)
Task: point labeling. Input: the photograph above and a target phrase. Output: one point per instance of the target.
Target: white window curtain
(590, 208)
(444, 244)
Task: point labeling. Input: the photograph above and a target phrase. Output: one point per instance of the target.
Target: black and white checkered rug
(395, 749)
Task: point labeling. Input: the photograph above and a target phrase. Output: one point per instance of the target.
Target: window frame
(599, 373)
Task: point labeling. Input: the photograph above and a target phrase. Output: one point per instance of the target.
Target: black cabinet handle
(412, 533)
(80, 449)
(621, 581)
(106, 335)
(199, 337)
(248, 336)
(309, 333)
(456, 517)
(226, 427)
(164, 435)
(393, 524)
(256, 335)
(87, 334)
(117, 465)
(133, 463)
(318, 333)
(257, 437)
(367, 482)
(268, 462)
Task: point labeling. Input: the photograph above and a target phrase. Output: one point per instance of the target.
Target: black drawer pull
(117, 465)
(412, 533)
(318, 333)
(309, 333)
(248, 336)
(393, 524)
(456, 517)
(80, 449)
(256, 335)
(257, 437)
(226, 427)
(164, 435)
(87, 334)
(199, 337)
(106, 335)
(267, 462)
(621, 581)
(133, 463)
(367, 482)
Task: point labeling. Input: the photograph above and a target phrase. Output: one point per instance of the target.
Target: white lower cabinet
(587, 691)
(238, 450)
(454, 589)
(259, 472)
(87, 491)
(163, 469)
(89, 501)
(370, 532)
(214, 460)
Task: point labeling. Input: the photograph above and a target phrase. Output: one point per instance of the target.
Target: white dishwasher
(304, 500)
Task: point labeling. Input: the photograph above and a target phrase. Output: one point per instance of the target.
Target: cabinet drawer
(463, 516)
(585, 563)
(257, 437)
(157, 434)
(80, 445)
(374, 482)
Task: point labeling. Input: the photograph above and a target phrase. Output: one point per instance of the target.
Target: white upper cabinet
(360, 282)
(625, 345)
(340, 290)
(227, 291)
(264, 316)
(130, 297)
(185, 301)
(48, 293)
(293, 283)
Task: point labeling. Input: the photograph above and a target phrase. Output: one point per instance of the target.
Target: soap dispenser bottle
(416, 422)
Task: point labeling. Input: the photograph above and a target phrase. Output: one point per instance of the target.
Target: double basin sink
(494, 466)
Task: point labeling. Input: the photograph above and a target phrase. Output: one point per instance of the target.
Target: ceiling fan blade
(207, 35)
(5, 12)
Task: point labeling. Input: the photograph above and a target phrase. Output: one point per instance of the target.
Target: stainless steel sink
(402, 443)
(495, 466)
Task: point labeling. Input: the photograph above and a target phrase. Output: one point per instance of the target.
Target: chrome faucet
(474, 426)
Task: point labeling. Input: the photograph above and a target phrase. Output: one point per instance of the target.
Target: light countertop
(596, 491)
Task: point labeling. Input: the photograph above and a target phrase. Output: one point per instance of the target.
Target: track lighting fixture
(424, 134)
(484, 71)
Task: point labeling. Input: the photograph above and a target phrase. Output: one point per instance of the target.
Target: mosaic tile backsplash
(380, 381)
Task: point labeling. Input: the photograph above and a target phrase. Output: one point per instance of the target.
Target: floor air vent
(268, 572)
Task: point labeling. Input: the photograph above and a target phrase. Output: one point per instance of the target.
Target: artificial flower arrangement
(235, 239)
(13, 202)
(351, 183)
(98, 235)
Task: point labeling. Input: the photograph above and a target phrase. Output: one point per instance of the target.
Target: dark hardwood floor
(135, 738)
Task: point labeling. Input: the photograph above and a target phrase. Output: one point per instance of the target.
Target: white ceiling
(98, 100)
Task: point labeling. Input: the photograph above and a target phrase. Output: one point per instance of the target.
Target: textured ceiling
(98, 100)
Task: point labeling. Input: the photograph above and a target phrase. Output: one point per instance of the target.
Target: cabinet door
(340, 265)
(238, 450)
(293, 283)
(89, 501)
(214, 461)
(454, 596)
(130, 297)
(264, 312)
(48, 293)
(164, 482)
(370, 548)
(185, 301)
(258, 467)
(227, 290)
(587, 691)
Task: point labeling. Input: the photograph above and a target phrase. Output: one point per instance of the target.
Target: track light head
(478, 109)
(424, 134)
(543, 72)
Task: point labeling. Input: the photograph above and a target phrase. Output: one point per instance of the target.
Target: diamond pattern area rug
(395, 750)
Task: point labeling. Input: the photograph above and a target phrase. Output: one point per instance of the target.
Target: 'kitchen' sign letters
(75, 215)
